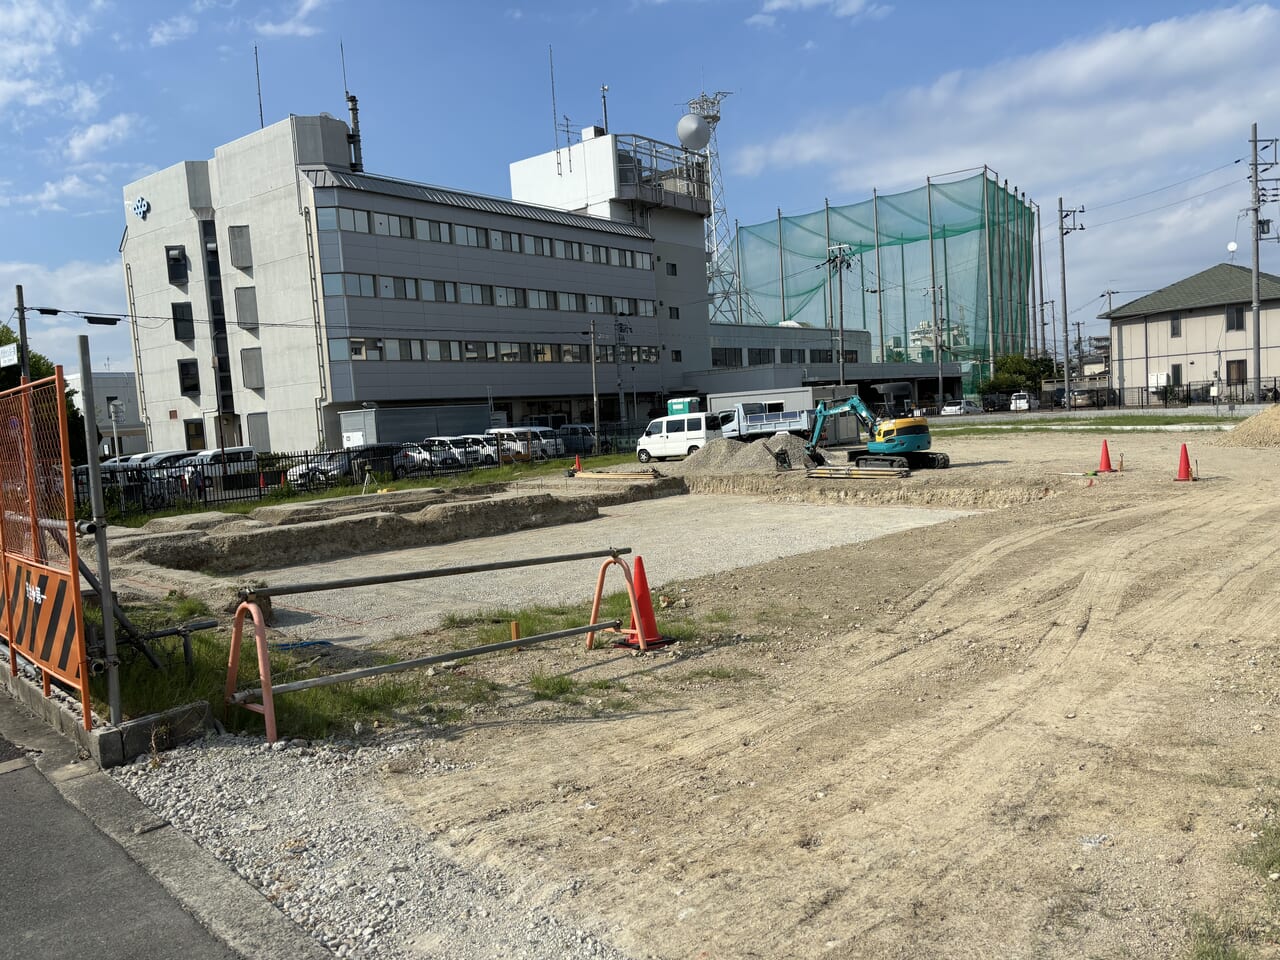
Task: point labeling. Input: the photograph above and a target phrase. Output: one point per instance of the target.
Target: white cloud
(1094, 119)
(1071, 113)
(52, 194)
(83, 144)
(171, 30)
(767, 16)
(296, 25)
(35, 34)
(90, 287)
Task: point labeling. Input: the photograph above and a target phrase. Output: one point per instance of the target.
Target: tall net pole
(720, 275)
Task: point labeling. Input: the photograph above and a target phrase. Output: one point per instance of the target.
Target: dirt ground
(1046, 729)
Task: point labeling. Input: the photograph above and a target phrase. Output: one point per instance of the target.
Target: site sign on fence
(42, 619)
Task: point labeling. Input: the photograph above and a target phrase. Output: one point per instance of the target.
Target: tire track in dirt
(838, 806)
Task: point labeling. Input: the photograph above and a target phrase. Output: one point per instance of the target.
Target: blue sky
(1135, 110)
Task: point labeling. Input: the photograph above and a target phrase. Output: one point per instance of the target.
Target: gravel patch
(1260, 430)
(312, 829)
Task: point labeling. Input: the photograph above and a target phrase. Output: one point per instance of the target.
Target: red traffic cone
(1104, 465)
(648, 622)
(1184, 466)
(577, 463)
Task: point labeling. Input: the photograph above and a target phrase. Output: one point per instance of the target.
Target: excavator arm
(834, 408)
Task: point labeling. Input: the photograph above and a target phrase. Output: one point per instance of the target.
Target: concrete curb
(218, 898)
(111, 746)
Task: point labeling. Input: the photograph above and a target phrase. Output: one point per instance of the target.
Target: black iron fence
(137, 488)
(1196, 393)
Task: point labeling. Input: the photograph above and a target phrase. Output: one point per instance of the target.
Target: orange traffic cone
(1104, 465)
(1184, 466)
(577, 464)
(648, 622)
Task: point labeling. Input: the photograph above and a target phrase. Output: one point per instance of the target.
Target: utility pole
(22, 328)
(838, 256)
(1254, 205)
(620, 328)
(1063, 230)
(1107, 294)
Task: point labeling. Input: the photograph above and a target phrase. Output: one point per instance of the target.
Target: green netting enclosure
(973, 287)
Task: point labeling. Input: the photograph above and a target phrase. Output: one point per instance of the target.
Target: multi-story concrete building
(278, 285)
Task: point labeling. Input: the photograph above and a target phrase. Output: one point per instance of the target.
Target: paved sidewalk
(90, 872)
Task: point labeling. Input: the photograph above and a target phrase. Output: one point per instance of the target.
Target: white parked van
(677, 436)
(220, 461)
(1024, 401)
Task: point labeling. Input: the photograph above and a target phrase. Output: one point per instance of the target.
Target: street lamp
(595, 392)
(114, 410)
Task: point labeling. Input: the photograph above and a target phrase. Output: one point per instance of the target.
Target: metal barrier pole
(247, 593)
(267, 691)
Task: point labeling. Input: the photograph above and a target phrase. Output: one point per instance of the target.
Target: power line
(1170, 186)
(1165, 206)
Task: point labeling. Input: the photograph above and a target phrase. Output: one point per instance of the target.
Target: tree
(1015, 373)
(42, 368)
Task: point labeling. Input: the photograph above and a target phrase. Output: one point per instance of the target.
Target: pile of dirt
(1260, 430)
(720, 457)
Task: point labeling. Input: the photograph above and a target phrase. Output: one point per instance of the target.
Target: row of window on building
(438, 231)
(1235, 322)
(759, 356)
(486, 351)
(484, 294)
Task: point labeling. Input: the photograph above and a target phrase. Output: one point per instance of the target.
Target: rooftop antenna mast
(555, 126)
(697, 131)
(353, 107)
(258, 73)
(566, 127)
(604, 105)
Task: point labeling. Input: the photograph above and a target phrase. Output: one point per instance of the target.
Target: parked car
(1084, 398)
(442, 453)
(409, 459)
(1024, 401)
(577, 438)
(219, 461)
(550, 441)
(995, 402)
(375, 458)
(465, 452)
(492, 450)
(525, 443)
(954, 408)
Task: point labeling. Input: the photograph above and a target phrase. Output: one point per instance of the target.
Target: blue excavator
(895, 441)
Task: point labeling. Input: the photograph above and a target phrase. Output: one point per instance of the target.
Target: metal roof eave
(325, 176)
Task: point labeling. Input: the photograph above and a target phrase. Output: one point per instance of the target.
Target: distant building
(278, 285)
(1195, 337)
(116, 411)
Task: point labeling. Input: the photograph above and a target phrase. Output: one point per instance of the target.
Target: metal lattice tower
(721, 276)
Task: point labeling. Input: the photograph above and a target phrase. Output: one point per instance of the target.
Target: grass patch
(1264, 854)
(1211, 940)
(315, 713)
(555, 687)
(1129, 421)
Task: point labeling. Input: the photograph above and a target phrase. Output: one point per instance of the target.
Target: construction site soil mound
(244, 545)
(1260, 430)
(766, 456)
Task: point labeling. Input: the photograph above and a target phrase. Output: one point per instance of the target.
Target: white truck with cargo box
(751, 421)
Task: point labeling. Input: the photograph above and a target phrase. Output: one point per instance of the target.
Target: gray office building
(278, 285)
